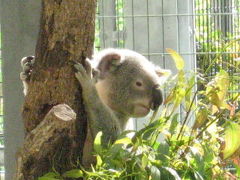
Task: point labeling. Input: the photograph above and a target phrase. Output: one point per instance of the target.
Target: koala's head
(128, 82)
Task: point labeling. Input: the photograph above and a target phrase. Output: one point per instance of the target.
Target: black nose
(157, 97)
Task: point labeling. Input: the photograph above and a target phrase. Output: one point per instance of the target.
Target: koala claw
(82, 75)
(27, 65)
(88, 67)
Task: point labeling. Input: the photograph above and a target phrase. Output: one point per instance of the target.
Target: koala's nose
(157, 97)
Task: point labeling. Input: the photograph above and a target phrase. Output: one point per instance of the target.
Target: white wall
(19, 27)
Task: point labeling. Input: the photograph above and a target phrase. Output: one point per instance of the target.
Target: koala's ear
(163, 74)
(109, 62)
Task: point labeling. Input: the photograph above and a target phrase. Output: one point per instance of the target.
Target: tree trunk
(54, 136)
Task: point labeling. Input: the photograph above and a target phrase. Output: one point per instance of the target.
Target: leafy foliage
(199, 132)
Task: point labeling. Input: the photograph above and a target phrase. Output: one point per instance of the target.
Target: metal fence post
(19, 26)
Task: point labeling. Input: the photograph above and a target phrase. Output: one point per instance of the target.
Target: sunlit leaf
(50, 176)
(47, 178)
(232, 140)
(97, 142)
(124, 141)
(198, 176)
(222, 81)
(217, 89)
(180, 94)
(173, 173)
(237, 170)
(179, 62)
(144, 161)
(99, 161)
(201, 118)
(75, 173)
(155, 173)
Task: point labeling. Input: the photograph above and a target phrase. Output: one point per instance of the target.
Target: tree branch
(44, 139)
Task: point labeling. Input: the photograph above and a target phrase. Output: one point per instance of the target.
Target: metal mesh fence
(1, 120)
(145, 26)
(204, 32)
(217, 38)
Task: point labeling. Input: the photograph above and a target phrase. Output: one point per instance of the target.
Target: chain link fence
(217, 38)
(204, 32)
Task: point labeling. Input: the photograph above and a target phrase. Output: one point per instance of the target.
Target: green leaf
(99, 161)
(198, 176)
(222, 81)
(147, 131)
(47, 178)
(163, 152)
(237, 170)
(232, 140)
(50, 176)
(179, 91)
(179, 62)
(75, 173)
(124, 141)
(201, 118)
(144, 161)
(174, 123)
(217, 89)
(155, 173)
(97, 143)
(116, 149)
(173, 173)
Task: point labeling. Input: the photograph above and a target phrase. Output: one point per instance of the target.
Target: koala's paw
(84, 74)
(27, 65)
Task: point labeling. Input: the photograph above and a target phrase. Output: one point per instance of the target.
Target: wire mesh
(1, 120)
(217, 38)
(204, 32)
(143, 26)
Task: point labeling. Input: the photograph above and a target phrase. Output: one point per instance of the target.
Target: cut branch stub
(43, 140)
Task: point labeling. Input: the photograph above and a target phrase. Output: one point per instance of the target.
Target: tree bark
(66, 34)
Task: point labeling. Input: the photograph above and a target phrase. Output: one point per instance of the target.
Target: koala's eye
(138, 83)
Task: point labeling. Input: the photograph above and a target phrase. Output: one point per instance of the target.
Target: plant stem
(188, 113)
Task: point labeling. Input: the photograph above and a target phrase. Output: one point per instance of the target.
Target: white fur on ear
(109, 51)
(107, 61)
(163, 74)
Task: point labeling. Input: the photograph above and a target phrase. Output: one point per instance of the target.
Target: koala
(27, 65)
(117, 84)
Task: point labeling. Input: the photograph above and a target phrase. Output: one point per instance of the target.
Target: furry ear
(109, 63)
(163, 74)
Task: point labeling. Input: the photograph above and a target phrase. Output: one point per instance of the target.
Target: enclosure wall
(19, 23)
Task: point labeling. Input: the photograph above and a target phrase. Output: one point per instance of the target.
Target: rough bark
(40, 143)
(66, 34)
